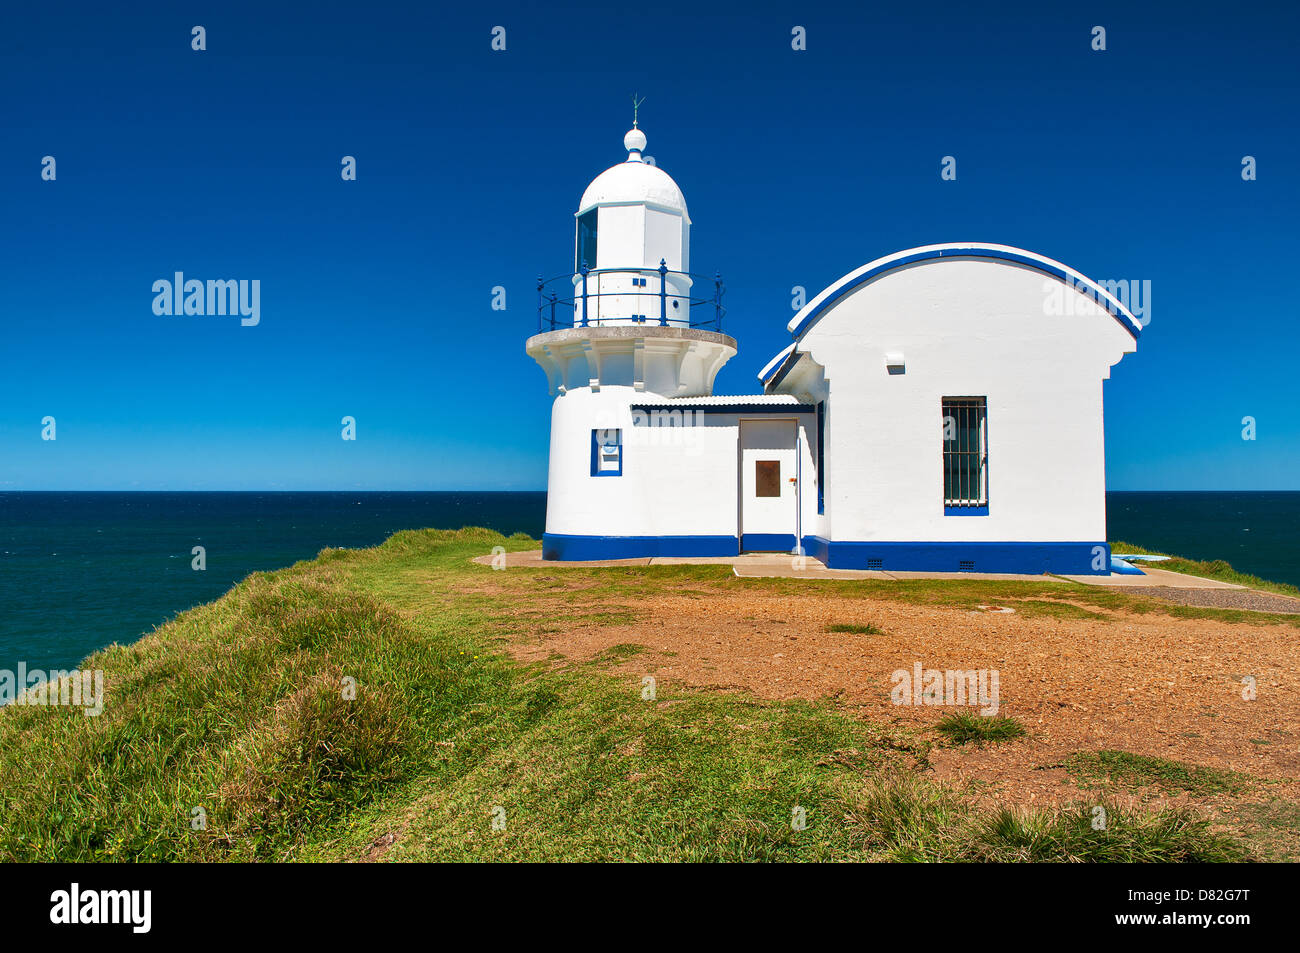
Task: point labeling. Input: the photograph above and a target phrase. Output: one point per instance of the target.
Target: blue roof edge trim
(789, 358)
(1018, 256)
(770, 367)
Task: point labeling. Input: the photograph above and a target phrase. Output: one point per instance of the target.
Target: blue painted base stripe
(558, 546)
(767, 542)
(1072, 558)
(817, 548)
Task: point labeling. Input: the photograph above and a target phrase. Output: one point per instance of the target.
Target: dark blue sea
(81, 570)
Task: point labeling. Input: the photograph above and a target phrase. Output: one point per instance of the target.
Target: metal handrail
(548, 302)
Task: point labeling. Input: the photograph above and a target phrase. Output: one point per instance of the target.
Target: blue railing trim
(550, 299)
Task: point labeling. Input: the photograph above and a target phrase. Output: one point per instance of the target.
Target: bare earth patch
(1148, 684)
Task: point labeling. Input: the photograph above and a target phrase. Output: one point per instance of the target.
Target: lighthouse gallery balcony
(602, 297)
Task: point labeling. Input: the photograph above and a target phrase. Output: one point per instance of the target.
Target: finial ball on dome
(634, 141)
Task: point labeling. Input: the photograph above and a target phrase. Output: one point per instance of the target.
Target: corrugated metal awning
(739, 403)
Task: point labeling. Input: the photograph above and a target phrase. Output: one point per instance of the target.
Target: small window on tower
(607, 452)
(586, 240)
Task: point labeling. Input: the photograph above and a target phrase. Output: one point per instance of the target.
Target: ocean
(81, 570)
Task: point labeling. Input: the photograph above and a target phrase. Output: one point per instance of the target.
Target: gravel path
(1222, 598)
(1148, 683)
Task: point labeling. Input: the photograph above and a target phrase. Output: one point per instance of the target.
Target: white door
(768, 493)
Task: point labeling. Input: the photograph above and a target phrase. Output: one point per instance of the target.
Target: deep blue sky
(798, 167)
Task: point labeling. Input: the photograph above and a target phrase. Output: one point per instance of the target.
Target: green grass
(1133, 771)
(908, 820)
(1212, 569)
(620, 652)
(854, 628)
(963, 727)
(241, 708)
(1054, 609)
(1271, 829)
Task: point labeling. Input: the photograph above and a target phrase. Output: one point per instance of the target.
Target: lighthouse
(901, 429)
(628, 325)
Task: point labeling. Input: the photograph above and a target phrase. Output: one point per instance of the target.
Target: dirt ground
(1148, 684)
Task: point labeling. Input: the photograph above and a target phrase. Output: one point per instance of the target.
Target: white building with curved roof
(938, 409)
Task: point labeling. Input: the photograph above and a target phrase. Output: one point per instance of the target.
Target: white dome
(634, 181)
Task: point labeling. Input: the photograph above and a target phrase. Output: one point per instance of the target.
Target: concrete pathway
(753, 565)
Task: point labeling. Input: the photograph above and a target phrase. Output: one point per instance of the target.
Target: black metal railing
(553, 308)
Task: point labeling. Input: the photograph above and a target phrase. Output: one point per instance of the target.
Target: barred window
(965, 455)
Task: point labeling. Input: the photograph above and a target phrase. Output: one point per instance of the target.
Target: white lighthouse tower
(627, 326)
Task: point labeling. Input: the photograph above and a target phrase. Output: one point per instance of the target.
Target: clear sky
(798, 167)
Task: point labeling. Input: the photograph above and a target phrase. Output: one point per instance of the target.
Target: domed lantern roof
(635, 182)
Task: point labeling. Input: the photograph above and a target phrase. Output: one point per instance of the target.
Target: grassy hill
(241, 714)
(1208, 569)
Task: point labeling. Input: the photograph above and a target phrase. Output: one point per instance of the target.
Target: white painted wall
(966, 327)
(673, 483)
(677, 481)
